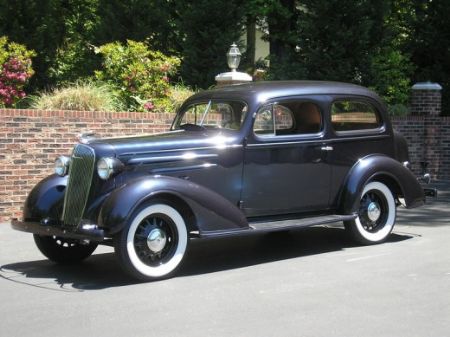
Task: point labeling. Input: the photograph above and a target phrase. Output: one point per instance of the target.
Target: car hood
(125, 148)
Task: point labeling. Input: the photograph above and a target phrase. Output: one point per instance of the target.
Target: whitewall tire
(376, 215)
(154, 243)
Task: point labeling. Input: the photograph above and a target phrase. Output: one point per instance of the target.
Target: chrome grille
(81, 171)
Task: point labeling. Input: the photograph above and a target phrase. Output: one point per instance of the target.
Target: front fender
(211, 210)
(46, 199)
(385, 169)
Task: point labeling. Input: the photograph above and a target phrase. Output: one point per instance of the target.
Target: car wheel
(376, 215)
(154, 243)
(62, 250)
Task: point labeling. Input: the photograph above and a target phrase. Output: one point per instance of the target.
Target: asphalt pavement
(310, 282)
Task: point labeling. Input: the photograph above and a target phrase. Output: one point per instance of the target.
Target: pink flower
(165, 79)
(149, 106)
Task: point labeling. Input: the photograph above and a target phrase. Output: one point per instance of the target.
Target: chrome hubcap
(373, 211)
(156, 240)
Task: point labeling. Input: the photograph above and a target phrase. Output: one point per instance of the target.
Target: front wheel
(376, 215)
(154, 242)
(62, 250)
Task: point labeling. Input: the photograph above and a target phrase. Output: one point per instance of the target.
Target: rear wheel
(376, 215)
(154, 243)
(62, 250)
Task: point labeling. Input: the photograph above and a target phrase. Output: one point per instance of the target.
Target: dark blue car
(251, 158)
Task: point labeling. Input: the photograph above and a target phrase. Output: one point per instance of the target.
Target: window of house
(349, 115)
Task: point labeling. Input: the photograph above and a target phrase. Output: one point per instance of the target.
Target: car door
(285, 160)
(357, 129)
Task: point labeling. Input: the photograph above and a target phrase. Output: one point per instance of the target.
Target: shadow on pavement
(436, 211)
(101, 271)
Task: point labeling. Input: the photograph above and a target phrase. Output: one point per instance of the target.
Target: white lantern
(234, 57)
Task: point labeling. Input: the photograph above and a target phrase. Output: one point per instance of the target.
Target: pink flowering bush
(15, 71)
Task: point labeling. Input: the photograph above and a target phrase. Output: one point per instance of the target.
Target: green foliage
(381, 44)
(9, 50)
(430, 45)
(398, 110)
(39, 25)
(177, 95)
(138, 20)
(139, 74)
(390, 72)
(81, 96)
(74, 57)
(207, 29)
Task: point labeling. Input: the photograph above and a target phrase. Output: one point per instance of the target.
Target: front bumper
(85, 232)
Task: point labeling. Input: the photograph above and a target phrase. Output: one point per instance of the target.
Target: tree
(430, 45)
(139, 20)
(208, 28)
(37, 24)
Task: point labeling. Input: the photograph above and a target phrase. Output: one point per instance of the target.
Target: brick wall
(30, 141)
(428, 140)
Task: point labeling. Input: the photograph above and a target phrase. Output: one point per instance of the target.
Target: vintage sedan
(250, 158)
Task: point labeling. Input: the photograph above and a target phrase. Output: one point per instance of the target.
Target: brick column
(426, 100)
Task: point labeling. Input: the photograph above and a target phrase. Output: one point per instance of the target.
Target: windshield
(211, 115)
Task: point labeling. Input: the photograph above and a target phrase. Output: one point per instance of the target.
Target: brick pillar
(426, 100)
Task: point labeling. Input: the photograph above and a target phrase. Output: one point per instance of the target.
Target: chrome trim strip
(217, 147)
(183, 157)
(361, 137)
(183, 168)
(286, 143)
(141, 135)
(322, 141)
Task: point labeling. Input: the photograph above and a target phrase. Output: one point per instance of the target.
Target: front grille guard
(78, 188)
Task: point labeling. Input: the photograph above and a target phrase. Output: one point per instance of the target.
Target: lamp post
(233, 76)
(233, 57)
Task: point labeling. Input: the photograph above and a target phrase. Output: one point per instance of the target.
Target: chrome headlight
(107, 167)
(62, 166)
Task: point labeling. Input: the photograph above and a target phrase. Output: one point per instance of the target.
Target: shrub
(177, 95)
(390, 75)
(86, 96)
(398, 110)
(16, 70)
(139, 74)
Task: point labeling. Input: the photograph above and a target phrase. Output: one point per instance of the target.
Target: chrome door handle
(326, 148)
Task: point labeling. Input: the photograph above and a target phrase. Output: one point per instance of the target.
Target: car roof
(262, 91)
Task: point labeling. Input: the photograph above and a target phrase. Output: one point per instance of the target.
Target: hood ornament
(86, 137)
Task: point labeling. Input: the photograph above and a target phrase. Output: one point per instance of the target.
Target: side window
(283, 118)
(349, 115)
(288, 118)
(264, 124)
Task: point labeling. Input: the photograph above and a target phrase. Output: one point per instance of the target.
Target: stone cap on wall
(232, 77)
(426, 86)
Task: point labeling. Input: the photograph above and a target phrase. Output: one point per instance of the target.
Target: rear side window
(350, 115)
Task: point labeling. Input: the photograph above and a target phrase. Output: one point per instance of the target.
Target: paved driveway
(311, 282)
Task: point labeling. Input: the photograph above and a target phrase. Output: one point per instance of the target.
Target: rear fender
(384, 169)
(211, 211)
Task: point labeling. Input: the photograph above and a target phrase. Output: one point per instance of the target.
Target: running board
(280, 225)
